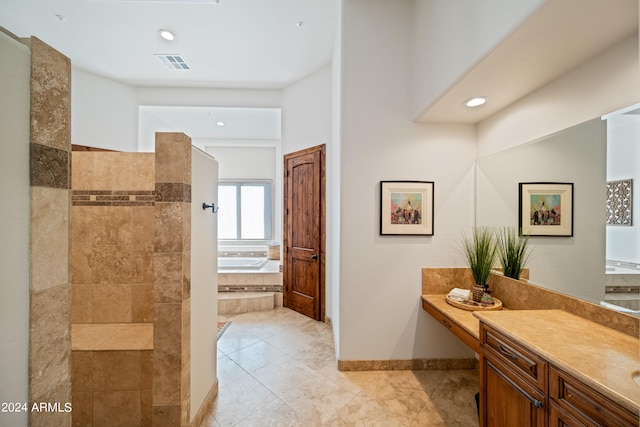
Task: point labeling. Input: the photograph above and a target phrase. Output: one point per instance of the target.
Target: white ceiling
(560, 35)
(226, 43)
(230, 43)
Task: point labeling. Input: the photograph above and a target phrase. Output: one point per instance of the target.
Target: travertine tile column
(50, 288)
(172, 286)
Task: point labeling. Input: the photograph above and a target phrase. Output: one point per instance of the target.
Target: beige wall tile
(50, 96)
(142, 305)
(116, 408)
(116, 371)
(146, 405)
(166, 379)
(146, 370)
(81, 170)
(173, 158)
(49, 237)
(166, 416)
(167, 331)
(50, 340)
(186, 336)
(111, 303)
(143, 225)
(186, 275)
(168, 277)
(169, 219)
(81, 371)
(81, 271)
(81, 303)
(61, 395)
(82, 414)
(142, 262)
(112, 171)
(143, 171)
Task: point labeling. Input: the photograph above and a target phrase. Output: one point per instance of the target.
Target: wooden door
(304, 230)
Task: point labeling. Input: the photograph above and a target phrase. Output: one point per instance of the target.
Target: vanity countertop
(600, 357)
(462, 318)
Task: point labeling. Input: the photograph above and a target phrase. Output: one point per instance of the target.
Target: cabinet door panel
(509, 401)
(585, 403)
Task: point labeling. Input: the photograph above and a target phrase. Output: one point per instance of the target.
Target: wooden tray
(475, 306)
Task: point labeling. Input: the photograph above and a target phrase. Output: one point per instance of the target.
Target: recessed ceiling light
(166, 34)
(476, 102)
(220, 123)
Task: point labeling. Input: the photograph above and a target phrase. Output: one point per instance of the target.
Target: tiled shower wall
(50, 286)
(172, 292)
(112, 236)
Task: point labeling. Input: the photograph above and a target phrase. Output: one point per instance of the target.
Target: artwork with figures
(619, 202)
(406, 207)
(546, 209)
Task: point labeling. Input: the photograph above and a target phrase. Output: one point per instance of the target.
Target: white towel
(458, 294)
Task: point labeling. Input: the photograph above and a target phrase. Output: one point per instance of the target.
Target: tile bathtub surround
(279, 368)
(50, 287)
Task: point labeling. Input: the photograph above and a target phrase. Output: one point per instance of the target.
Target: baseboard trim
(404, 365)
(206, 406)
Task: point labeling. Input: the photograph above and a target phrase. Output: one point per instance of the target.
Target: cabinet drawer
(445, 321)
(586, 404)
(517, 358)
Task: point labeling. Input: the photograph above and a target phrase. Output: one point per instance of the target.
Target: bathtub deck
(245, 302)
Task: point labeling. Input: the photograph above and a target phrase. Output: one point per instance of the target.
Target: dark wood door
(304, 223)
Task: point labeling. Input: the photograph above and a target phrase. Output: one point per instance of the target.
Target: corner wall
(380, 276)
(14, 226)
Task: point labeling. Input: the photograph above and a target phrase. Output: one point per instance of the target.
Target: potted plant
(480, 250)
(513, 251)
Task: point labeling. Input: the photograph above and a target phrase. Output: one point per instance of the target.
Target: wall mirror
(587, 155)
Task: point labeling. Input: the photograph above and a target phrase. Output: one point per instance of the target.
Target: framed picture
(406, 208)
(546, 209)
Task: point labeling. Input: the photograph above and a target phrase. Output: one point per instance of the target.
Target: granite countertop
(600, 357)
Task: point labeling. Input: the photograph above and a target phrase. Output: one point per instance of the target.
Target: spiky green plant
(481, 252)
(513, 251)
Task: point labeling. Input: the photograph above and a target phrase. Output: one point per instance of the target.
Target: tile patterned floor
(277, 368)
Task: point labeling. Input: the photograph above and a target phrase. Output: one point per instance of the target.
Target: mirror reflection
(600, 263)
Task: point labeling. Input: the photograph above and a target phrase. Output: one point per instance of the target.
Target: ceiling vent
(173, 62)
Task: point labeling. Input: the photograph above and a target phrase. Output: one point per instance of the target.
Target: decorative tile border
(112, 198)
(250, 288)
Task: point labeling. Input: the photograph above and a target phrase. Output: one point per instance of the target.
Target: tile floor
(277, 368)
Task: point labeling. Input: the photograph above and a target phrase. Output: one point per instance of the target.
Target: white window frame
(267, 184)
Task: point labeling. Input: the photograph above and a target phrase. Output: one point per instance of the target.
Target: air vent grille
(173, 62)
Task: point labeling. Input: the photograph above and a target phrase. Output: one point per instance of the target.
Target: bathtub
(241, 263)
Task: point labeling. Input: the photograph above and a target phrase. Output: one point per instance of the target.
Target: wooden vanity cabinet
(518, 388)
(513, 383)
(575, 404)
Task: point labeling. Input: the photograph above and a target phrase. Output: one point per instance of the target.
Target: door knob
(314, 256)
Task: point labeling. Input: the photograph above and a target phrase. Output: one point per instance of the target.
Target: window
(245, 210)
